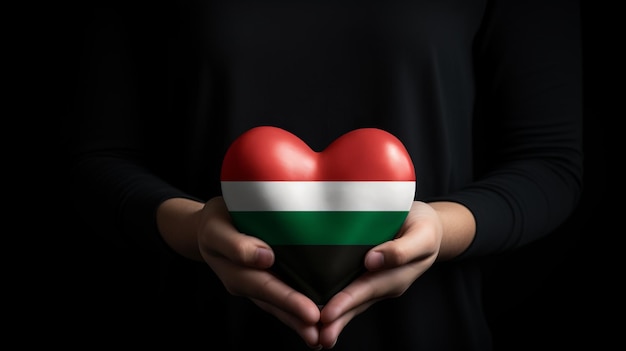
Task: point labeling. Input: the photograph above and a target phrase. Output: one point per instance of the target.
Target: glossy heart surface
(320, 211)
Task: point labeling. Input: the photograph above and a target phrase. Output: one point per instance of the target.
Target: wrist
(177, 221)
(459, 228)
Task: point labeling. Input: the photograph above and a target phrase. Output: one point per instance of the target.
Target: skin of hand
(204, 232)
(392, 267)
(431, 232)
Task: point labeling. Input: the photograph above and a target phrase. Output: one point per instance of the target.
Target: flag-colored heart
(320, 211)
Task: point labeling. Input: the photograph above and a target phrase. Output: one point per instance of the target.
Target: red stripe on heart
(269, 153)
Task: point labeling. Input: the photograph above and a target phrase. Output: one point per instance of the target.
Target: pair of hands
(241, 262)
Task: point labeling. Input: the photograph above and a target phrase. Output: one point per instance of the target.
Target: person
(485, 95)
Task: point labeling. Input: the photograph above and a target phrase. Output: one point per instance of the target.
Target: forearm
(459, 228)
(178, 220)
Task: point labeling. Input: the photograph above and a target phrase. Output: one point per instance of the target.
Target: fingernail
(374, 260)
(314, 347)
(264, 257)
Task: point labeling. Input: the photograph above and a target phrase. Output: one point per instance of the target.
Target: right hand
(241, 262)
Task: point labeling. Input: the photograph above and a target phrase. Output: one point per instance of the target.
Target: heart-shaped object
(319, 211)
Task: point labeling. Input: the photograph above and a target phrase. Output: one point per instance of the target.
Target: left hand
(392, 267)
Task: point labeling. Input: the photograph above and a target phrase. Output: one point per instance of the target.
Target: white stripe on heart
(318, 195)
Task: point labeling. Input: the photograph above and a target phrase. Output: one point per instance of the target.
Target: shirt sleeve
(115, 188)
(529, 153)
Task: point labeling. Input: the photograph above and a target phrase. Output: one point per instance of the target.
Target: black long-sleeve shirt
(485, 95)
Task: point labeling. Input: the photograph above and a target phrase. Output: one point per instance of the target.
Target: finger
(329, 332)
(418, 239)
(219, 237)
(272, 295)
(418, 245)
(372, 287)
(264, 286)
(363, 293)
(276, 293)
(307, 329)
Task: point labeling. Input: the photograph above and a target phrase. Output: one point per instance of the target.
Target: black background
(568, 285)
